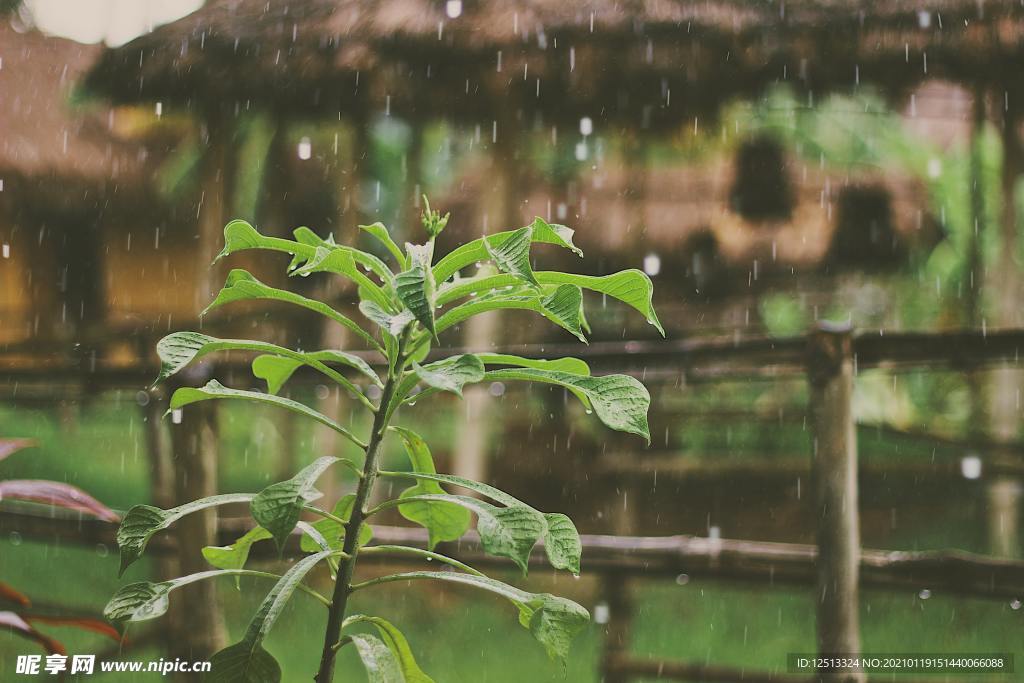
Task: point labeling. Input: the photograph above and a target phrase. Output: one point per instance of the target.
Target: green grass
(460, 635)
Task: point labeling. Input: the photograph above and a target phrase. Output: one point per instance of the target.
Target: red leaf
(12, 446)
(9, 594)
(85, 623)
(57, 494)
(22, 628)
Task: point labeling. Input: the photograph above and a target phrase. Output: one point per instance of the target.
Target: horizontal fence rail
(945, 571)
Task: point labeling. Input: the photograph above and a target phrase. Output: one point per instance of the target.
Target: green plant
(411, 308)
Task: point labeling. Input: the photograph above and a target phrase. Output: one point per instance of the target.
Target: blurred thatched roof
(644, 63)
(41, 134)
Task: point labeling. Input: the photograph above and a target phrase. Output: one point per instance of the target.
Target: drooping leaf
(276, 370)
(235, 556)
(180, 348)
(242, 286)
(142, 521)
(415, 289)
(504, 531)
(452, 373)
(631, 287)
(368, 261)
(378, 660)
(215, 390)
(560, 305)
(561, 540)
(277, 508)
(18, 626)
(341, 261)
(333, 532)
(620, 401)
(397, 644)
(392, 323)
(56, 494)
(247, 661)
(474, 251)
(552, 620)
(379, 232)
(573, 366)
(512, 254)
(443, 522)
(243, 663)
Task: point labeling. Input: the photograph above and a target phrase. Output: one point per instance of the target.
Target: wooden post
(615, 647)
(834, 486)
(499, 211)
(194, 448)
(1004, 401)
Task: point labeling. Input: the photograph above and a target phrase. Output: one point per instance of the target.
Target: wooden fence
(836, 567)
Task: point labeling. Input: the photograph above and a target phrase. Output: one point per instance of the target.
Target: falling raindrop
(159, 109)
(682, 579)
(142, 398)
(497, 389)
(322, 392)
(652, 264)
(970, 467)
(602, 613)
(15, 538)
(305, 149)
(924, 594)
(176, 416)
(6, 250)
(586, 126)
(453, 8)
(1015, 604)
(581, 151)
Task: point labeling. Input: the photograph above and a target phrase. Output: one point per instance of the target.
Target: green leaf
(631, 287)
(620, 401)
(378, 660)
(333, 532)
(142, 521)
(474, 251)
(144, 600)
(243, 663)
(247, 661)
(214, 390)
(277, 508)
(369, 261)
(573, 366)
(180, 348)
(397, 644)
(242, 286)
(239, 235)
(451, 374)
(512, 255)
(504, 531)
(392, 323)
(443, 521)
(379, 232)
(235, 556)
(560, 305)
(561, 540)
(342, 261)
(552, 620)
(276, 370)
(415, 289)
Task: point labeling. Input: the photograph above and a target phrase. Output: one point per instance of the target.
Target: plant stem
(350, 547)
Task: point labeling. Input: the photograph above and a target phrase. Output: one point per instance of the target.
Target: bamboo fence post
(830, 368)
